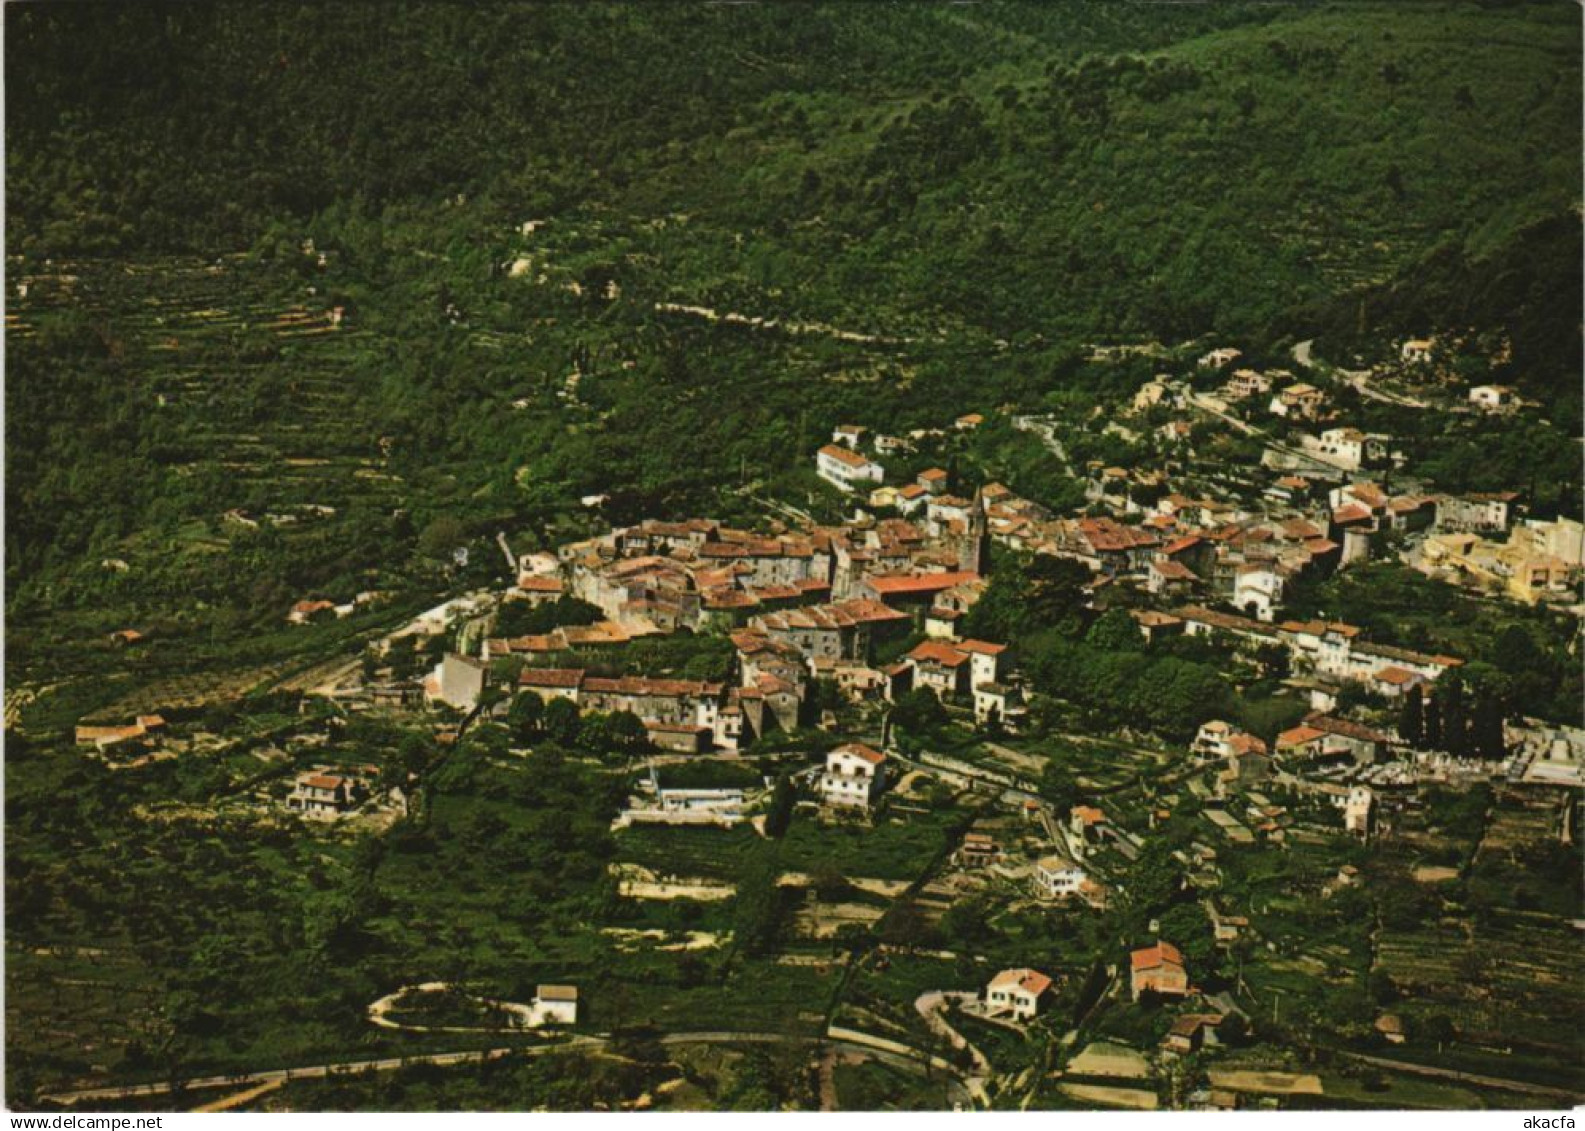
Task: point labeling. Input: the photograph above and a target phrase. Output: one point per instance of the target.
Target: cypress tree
(1455, 721)
(1486, 737)
(1433, 721)
(1411, 718)
(779, 815)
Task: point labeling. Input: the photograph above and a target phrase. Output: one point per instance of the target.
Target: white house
(940, 666)
(1246, 383)
(1257, 591)
(1350, 448)
(1214, 739)
(1356, 810)
(911, 497)
(850, 435)
(1217, 358)
(556, 1005)
(322, 795)
(1298, 402)
(854, 775)
(844, 468)
(985, 660)
(1415, 351)
(998, 701)
(1017, 992)
(934, 480)
(1057, 877)
(1492, 398)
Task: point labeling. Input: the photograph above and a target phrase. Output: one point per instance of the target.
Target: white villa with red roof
(854, 776)
(321, 794)
(845, 469)
(1017, 993)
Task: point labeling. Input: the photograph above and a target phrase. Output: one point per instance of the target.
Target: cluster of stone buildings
(1333, 652)
(798, 605)
(1538, 562)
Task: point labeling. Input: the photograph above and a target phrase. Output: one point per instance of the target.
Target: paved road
(392, 1063)
(1359, 378)
(1463, 1077)
(931, 1006)
(1200, 402)
(313, 1071)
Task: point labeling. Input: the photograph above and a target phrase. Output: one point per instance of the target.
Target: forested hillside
(951, 200)
(1106, 168)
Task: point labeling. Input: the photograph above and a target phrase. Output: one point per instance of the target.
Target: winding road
(916, 1062)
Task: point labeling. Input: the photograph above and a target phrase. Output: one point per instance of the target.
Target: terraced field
(258, 373)
(242, 387)
(1514, 981)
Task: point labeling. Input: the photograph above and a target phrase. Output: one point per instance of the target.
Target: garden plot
(634, 881)
(1134, 1099)
(1105, 1060)
(1265, 1082)
(1517, 981)
(628, 938)
(687, 854)
(1513, 826)
(819, 920)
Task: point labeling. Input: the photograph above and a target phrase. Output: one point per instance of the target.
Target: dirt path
(828, 1080)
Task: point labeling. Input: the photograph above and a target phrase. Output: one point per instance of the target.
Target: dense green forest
(1089, 166)
(498, 197)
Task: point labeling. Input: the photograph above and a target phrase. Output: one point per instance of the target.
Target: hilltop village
(1071, 803)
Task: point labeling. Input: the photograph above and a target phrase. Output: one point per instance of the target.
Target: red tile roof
(1174, 571)
(844, 456)
(550, 677)
(1151, 957)
(871, 755)
(843, 614)
(937, 652)
(1246, 744)
(660, 688)
(1030, 981)
(1298, 736)
(1346, 728)
(1396, 676)
(891, 584)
